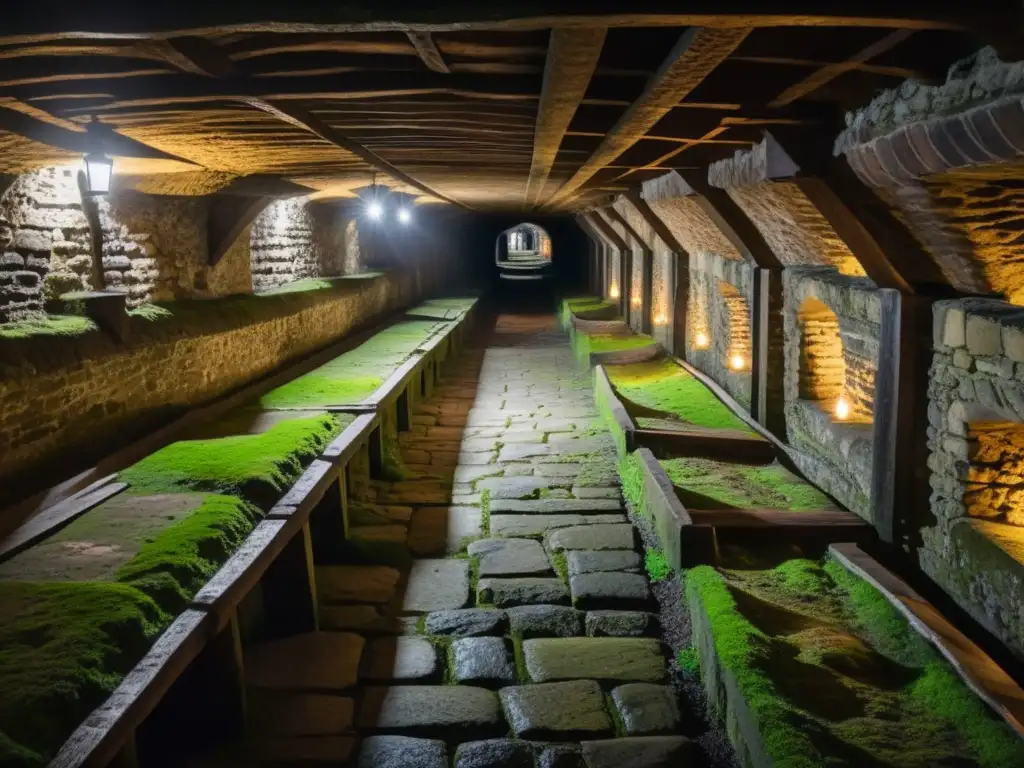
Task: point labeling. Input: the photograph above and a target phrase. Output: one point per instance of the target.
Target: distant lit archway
(522, 250)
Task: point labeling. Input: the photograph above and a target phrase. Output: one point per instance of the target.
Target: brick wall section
(974, 544)
(834, 455)
(77, 394)
(282, 244)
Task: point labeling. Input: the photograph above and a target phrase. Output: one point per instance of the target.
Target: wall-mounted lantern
(701, 341)
(660, 319)
(98, 167)
(842, 408)
(613, 291)
(737, 362)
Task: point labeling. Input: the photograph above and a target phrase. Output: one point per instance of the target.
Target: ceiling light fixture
(98, 167)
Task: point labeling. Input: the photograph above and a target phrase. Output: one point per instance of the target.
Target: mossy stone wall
(66, 401)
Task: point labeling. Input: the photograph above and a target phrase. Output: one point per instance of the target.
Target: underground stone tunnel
(512, 386)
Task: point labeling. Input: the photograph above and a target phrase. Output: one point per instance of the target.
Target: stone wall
(73, 397)
(721, 295)
(835, 454)
(974, 544)
(153, 248)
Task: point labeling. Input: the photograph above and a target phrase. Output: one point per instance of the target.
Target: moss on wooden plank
(357, 374)
(831, 674)
(257, 468)
(63, 649)
(664, 386)
(709, 484)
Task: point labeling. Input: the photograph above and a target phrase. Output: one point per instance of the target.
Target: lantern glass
(98, 170)
(375, 211)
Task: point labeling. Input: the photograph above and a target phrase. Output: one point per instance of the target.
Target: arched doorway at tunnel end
(522, 250)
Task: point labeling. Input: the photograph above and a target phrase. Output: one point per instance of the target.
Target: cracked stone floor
(502, 616)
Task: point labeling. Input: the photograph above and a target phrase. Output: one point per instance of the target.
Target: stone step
(452, 712)
(606, 659)
(538, 525)
(386, 544)
(401, 659)
(375, 584)
(557, 711)
(436, 585)
(510, 557)
(592, 537)
(315, 661)
(587, 561)
(444, 530)
(610, 591)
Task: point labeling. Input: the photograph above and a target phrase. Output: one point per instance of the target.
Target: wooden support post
(403, 409)
(899, 477)
(680, 304)
(767, 402)
(375, 447)
(327, 524)
(759, 357)
(647, 303)
(289, 589)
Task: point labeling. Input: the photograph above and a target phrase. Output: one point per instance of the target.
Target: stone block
(525, 591)
(609, 590)
(467, 622)
(402, 752)
(953, 328)
(536, 525)
(645, 709)
(455, 712)
(620, 624)
(557, 711)
(312, 661)
(437, 585)
(401, 659)
(529, 621)
(583, 561)
(485, 661)
(611, 659)
(356, 584)
(592, 537)
(640, 752)
(510, 557)
(494, 753)
(983, 336)
(962, 359)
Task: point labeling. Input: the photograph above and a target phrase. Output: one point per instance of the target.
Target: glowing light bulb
(737, 362)
(613, 292)
(375, 211)
(660, 319)
(842, 408)
(636, 301)
(701, 342)
(404, 216)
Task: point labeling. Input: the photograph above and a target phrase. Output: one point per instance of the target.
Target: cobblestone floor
(503, 617)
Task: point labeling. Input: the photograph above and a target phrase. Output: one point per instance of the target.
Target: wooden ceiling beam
(830, 72)
(572, 58)
(427, 51)
(126, 18)
(697, 53)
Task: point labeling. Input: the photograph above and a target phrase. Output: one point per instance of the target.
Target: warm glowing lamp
(737, 362)
(636, 301)
(614, 291)
(660, 319)
(842, 408)
(701, 342)
(98, 167)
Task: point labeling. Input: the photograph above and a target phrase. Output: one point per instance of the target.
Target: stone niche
(831, 330)
(719, 323)
(973, 544)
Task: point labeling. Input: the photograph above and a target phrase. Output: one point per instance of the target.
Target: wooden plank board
(716, 444)
(308, 490)
(56, 517)
(345, 445)
(770, 518)
(96, 742)
(671, 519)
(604, 391)
(978, 671)
(244, 568)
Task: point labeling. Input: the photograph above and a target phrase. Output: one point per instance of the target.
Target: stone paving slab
(402, 752)
(356, 583)
(609, 590)
(452, 712)
(510, 557)
(485, 661)
(437, 585)
(529, 621)
(586, 561)
(511, 488)
(494, 753)
(556, 506)
(526, 591)
(443, 530)
(645, 709)
(593, 537)
(518, 451)
(560, 756)
(312, 661)
(621, 624)
(537, 525)
(640, 752)
(407, 659)
(557, 711)
(612, 659)
(467, 622)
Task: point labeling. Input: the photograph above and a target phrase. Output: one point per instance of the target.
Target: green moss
(585, 344)
(357, 374)
(631, 474)
(151, 312)
(63, 649)
(561, 565)
(522, 672)
(47, 325)
(485, 512)
(664, 386)
(183, 556)
(709, 484)
(656, 564)
(298, 286)
(689, 661)
(832, 674)
(255, 467)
